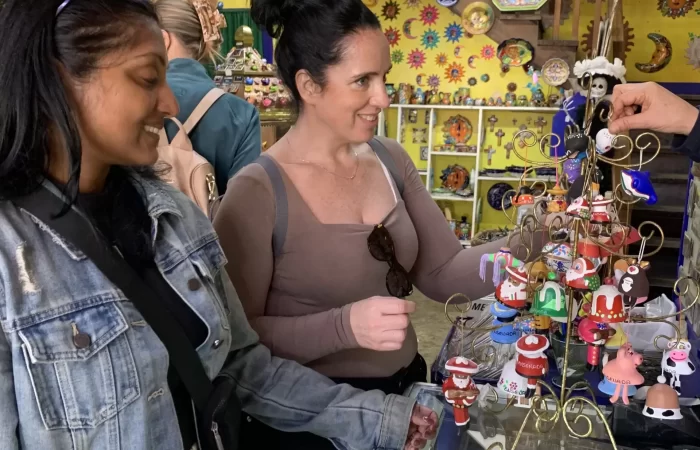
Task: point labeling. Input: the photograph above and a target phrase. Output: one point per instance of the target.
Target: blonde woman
(228, 135)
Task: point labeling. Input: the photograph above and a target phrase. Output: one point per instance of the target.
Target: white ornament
(599, 87)
(603, 140)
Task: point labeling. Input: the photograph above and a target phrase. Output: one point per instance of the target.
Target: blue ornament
(501, 311)
(608, 388)
(249, 81)
(220, 6)
(506, 334)
(638, 185)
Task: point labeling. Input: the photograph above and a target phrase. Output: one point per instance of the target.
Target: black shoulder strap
(388, 161)
(279, 233)
(75, 228)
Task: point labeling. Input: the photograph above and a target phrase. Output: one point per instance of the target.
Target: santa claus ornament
(513, 291)
(583, 275)
(579, 208)
(634, 285)
(459, 389)
(595, 335)
(532, 362)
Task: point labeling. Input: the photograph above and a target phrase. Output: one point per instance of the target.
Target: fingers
(626, 101)
(626, 123)
(396, 322)
(423, 416)
(396, 306)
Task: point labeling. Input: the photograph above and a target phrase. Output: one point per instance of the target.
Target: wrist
(345, 331)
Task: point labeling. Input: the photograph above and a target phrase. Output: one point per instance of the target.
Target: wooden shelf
(478, 108)
(452, 154)
(488, 178)
(452, 197)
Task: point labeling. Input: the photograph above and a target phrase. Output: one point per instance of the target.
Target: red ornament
(531, 363)
(459, 389)
(607, 305)
(513, 291)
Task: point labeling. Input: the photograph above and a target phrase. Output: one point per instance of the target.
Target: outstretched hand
(659, 110)
(424, 423)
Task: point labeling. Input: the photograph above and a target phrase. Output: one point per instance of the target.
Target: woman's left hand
(424, 423)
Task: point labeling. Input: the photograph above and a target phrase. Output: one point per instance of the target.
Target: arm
(443, 267)
(293, 398)
(245, 224)
(9, 419)
(690, 144)
(246, 122)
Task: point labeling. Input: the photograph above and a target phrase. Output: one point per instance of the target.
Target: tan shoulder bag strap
(201, 109)
(180, 140)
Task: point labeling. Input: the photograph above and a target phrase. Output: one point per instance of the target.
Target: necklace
(354, 174)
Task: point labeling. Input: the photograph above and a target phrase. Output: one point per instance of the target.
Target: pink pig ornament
(622, 372)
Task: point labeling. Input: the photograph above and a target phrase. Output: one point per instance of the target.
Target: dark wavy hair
(34, 106)
(310, 33)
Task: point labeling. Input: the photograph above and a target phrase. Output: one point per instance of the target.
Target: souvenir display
(622, 372)
(663, 51)
(595, 335)
(459, 389)
(478, 18)
(515, 52)
(676, 363)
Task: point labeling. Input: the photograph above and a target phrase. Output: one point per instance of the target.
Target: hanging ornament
(512, 292)
(675, 8)
(622, 372)
(392, 35)
(504, 258)
(416, 59)
(583, 275)
(662, 403)
(504, 317)
(663, 51)
(459, 389)
(454, 32)
(550, 301)
(532, 362)
(638, 184)
(676, 363)
(429, 15)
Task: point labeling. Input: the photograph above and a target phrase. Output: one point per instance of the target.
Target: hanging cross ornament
(528, 120)
(509, 148)
(489, 153)
(515, 122)
(500, 135)
(492, 120)
(521, 142)
(540, 122)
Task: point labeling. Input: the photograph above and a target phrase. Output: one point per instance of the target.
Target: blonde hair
(180, 18)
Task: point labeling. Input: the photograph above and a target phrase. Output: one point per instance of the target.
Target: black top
(689, 145)
(121, 216)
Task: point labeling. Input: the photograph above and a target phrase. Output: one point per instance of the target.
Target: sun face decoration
(429, 15)
(454, 32)
(675, 8)
(397, 57)
(392, 35)
(412, 4)
(434, 81)
(441, 59)
(430, 39)
(454, 72)
(416, 59)
(488, 52)
(390, 10)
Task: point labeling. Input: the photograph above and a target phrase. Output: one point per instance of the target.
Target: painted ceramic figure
(595, 335)
(557, 200)
(603, 141)
(507, 331)
(662, 403)
(532, 362)
(582, 275)
(512, 292)
(622, 371)
(579, 208)
(600, 209)
(459, 389)
(634, 285)
(550, 300)
(558, 256)
(510, 382)
(638, 185)
(607, 306)
(500, 260)
(590, 250)
(525, 202)
(676, 363)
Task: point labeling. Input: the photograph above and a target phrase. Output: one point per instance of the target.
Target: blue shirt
(228, 135)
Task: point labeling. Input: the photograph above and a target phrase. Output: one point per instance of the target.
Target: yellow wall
(644, 18)
(230, 4)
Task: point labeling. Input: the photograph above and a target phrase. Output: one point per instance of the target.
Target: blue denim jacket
(113, 394)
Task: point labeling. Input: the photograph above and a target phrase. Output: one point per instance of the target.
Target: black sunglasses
(381, 247)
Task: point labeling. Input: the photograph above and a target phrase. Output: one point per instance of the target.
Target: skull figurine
(599, 87)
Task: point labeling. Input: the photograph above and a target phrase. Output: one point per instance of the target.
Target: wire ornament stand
(546, 407)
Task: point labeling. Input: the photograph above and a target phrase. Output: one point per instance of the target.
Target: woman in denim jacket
(84, 97)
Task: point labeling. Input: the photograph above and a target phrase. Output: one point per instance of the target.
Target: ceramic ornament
(662, 403)
(531, 362)
(511, 383)
(607, 306)
(638, 185)
(622, 371)
(572, 170)
(589, 249)
(459, 389)
(499, 134)
(512, 292)
(558, 256)
(595, 335)
(556, 203)
(663, 51)
(582, 275)
(603, 141)
(676, 363)
(579, 208)
(504, 258)
(550, 300)
(600, 209)
(507, 331)
(634, 285)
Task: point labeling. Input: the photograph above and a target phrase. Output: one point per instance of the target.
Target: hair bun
(274, 14)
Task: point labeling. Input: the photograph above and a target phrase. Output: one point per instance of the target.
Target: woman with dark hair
(328, 232)
(84, 98)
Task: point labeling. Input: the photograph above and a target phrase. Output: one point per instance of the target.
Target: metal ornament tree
(589, 226)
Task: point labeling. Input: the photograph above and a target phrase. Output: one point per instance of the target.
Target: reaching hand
(661, 110)
(380, 323)
(424, 423)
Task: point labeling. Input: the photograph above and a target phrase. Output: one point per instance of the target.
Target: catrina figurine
(504, 258)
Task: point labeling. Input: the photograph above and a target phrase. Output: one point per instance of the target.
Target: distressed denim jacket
(113, 393)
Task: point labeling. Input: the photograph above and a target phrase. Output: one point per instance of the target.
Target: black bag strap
(75, 228)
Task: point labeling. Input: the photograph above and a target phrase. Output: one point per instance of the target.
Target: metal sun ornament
(397, 56)
(441, 60)
(454, 32)
(547, 409)
(392, 35)
(430, 39)
(390, 10)
(416, 59)
(675, 8)
(434, 81)
(454, 72)
(429, 15)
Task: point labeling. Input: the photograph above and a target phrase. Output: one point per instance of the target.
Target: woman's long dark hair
(35, 45)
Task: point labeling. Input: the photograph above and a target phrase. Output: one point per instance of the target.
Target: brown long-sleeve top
(299, 302)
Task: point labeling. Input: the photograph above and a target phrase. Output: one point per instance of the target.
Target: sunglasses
(381, 247)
